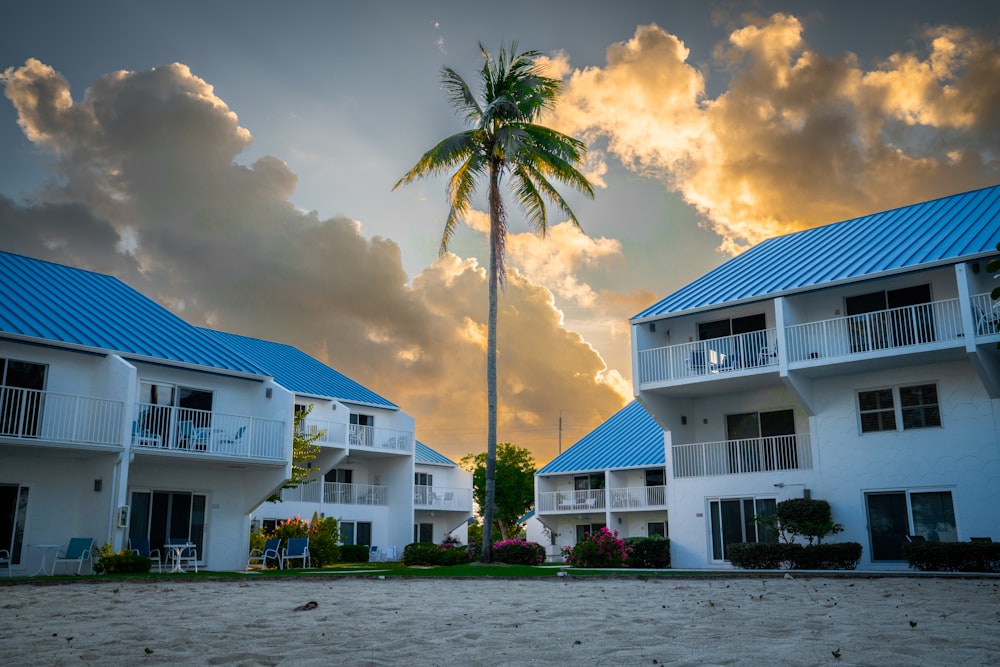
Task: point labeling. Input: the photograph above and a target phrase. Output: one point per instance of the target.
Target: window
(584, 529)
(587, 482)
(656, 528)
(13, 508)
(166, 407)
(356, 532)
(422, 492)
(732, 522)
(361, 428)
(890, 318)
(159, 515)
(761, 441)
(21, 386)
(423, 532)
(914, 407)
(731, 327)
(892, 515)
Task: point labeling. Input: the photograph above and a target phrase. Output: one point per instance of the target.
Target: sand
(552, 621)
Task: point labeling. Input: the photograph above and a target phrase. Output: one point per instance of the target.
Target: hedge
(518, 552)
(648, 552)
(953, 556)
(354, 553)
(766, 556)
(428, 553)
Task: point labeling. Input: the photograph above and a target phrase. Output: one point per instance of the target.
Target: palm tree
(503, 143)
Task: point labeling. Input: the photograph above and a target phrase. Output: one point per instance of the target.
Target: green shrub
(601, 549)
(518, 552)
(768, 556)
(354, 553)
(323, 534)
(953, 556)
(106, 561)
(428, 553)
(648, 552)
(811, 518)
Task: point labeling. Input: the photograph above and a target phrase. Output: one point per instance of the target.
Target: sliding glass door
(177, 515)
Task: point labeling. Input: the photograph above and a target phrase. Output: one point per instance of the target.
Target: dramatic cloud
(797, 139)
(146, 186)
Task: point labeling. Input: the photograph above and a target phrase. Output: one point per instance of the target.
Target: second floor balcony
(186, 431)
(338, 493)
(378, 438)
(441, 497)
(30, 415)
(738, 457)
(588, 500)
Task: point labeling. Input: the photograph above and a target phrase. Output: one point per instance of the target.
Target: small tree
(806, 517)
(515, 485)
(304, 450)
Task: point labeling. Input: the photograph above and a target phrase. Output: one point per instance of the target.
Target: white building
(614, 476)
(855, 363)
(118, 419)
(442, 498)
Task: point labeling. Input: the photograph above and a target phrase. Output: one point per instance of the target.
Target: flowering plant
(518, 552)
(601, 549)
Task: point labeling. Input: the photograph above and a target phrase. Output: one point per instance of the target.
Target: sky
(234, 161)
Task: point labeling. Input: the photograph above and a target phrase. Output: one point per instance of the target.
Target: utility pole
(560, 431)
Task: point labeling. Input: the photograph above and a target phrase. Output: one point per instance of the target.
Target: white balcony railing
(986, 313)
(337, 493)
(895, 328)
(571, 501)
(708, 358)
(333, 434)
(736, 457)
(373, 437)
(442, 497)
(638, 497)
(192, 431)
(44, 415)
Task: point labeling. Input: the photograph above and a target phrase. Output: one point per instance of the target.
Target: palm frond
(461, 188)
(460, 96)
(530, 200)
(445, 155)
(542, 184)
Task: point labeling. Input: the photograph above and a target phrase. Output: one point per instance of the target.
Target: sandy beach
(558, 621)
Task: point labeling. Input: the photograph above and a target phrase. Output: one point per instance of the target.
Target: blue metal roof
(61, 304)
(629, 439)
(425, 454)
(298, 372)
(956, 228)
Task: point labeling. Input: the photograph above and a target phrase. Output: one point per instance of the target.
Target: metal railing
(705, 358)
(330, 433)
(986, 314)
(373, 437)
(442, 497)
(204, 432)
(894, 328)
(571, 501)
(337, 493)
(44, 415)
(736, 457)
(638, 497)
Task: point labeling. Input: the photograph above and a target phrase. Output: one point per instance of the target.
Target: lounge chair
(567, 500)
(78, 550)
(140, 547)
(5, 561)
(298, 548)
(272, 549)
(144, 438)
(373, 554)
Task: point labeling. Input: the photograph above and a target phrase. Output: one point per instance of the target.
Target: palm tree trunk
(496, 229)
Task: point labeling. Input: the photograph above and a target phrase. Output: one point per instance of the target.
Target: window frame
(898, 410)
(760, 532)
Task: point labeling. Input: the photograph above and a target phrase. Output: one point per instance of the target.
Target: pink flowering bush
(600, 549)
(518, 552)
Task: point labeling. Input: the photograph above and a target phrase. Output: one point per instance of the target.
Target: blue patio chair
(272, 549)
(373, 555)
(78, 550)
(140, 547)
(298, 548)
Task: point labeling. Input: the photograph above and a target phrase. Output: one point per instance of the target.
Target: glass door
(159, 515)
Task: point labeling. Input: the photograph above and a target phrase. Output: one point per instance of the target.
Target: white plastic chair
(5, 560)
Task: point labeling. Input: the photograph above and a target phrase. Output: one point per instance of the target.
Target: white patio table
(178, 551)
(46, 549)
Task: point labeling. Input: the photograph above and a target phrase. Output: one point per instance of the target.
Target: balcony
(338, 493)
(441, 497)
(43, 416)
(638, 498)
(907, 328)
(186, 431)
(375, 438)
(330, 434)
(739, 457)
(707, 359)
(571, 501)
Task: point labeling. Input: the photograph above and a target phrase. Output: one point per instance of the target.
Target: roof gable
(424, 454)
(628, 439)
(62, 304)
(941, 231)
(298, 372)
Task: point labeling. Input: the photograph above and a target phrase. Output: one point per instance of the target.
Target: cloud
(146, 186)
(797, 139)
